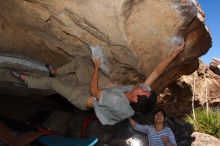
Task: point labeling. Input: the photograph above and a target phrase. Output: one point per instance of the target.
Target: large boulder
(134, 35)
(203, 85)
(204, 139)
(215, 65)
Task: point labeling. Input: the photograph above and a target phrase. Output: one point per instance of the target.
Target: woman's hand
(132, 122)
(166, 141)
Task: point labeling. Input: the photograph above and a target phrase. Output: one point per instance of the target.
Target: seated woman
(158, 134)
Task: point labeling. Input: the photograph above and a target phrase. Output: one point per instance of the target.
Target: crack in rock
(10, 60)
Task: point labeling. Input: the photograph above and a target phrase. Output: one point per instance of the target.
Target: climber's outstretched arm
(95, 91)
(161, 67)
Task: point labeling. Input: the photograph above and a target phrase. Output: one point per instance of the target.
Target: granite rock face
(203, 83)
(215, 66)
(134, 36)
(205, 139)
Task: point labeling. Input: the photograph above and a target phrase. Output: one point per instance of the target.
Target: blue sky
(212, 20)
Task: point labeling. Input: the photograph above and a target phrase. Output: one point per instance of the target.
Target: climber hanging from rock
(111, 105)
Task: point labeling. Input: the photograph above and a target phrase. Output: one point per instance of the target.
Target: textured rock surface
(135, 36)
(177, 98)
(215, 66)
(204, 139)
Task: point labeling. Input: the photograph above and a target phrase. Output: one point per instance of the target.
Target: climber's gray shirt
(113, 106)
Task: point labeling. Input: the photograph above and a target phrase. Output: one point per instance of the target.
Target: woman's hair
(160, 110)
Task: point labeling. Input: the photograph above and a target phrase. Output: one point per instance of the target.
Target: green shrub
(206, 123)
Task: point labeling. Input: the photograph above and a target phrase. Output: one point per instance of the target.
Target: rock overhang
(135, 35)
